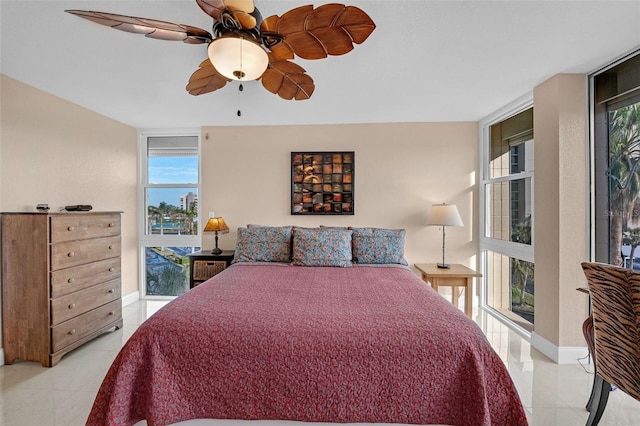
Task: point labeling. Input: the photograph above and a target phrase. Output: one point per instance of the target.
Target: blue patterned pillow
(263, 244)
(378, 246)
(326, 247)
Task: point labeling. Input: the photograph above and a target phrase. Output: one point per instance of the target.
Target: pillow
(326, 247)
(378, 246)
(263, 244)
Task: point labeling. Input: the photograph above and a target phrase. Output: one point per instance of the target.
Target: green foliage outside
(624, 182)
(187, 219)
(172, 279)
(522, 303)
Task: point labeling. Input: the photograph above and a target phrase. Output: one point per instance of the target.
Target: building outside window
(169, 193)
(506, 240)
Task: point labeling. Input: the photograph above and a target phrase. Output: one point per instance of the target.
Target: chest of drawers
(60, 282)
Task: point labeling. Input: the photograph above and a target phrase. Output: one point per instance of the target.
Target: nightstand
(456, 276)
(204, 265)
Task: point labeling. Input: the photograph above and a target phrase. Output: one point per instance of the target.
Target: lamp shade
(216, 224)
(237, 57)
(444, 215)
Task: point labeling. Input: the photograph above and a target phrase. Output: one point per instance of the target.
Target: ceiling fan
(243, 46)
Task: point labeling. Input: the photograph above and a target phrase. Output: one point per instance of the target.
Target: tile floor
(551, 394)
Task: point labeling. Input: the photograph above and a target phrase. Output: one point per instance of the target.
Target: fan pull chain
(240, 89)
(241, 64)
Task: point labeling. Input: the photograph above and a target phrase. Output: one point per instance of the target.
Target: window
(507, 169)
(169, 214)
(616, 114)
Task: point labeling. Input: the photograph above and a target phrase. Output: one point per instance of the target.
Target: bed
(363, 342)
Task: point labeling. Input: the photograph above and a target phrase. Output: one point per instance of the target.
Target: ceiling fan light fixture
(237, 57)
(242, 46)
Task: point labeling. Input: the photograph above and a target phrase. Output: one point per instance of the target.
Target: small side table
(204, 265)
(456, 276)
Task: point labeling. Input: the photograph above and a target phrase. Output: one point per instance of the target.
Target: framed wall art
(322, 183)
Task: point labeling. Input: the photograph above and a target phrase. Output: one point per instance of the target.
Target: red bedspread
(356, 344)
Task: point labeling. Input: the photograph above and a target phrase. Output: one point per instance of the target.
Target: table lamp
(444, 215)
(217, 225)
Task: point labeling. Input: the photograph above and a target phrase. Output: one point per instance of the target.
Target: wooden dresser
(60, 282)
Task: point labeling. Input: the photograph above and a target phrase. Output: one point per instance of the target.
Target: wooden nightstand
(204, 265)
(456, 276)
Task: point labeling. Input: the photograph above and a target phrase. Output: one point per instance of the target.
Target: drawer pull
(110, 247)
(72, 332)
(111, 269)
(112, 313)
(71, 280)
(70, 228)
(111, 291)
(111, 225)
(71, 254)
(72, 305)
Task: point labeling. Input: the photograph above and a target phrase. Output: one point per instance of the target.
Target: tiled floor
(552, 394)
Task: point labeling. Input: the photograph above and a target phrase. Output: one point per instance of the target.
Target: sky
(174, 170)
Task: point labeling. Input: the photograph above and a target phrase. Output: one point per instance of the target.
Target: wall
(55, 152)
(400, 171)
(561, 222)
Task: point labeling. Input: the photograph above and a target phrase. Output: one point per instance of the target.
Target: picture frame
(322, 183)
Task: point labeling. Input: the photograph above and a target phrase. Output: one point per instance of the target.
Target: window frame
(599, 103)
(161, 240)
(503, 247)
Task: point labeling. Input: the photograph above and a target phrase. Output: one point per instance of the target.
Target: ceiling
(426, 60)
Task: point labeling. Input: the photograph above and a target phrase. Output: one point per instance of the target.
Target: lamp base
(216, 251)
(444, 266)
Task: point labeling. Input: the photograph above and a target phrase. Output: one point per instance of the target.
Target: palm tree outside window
(624, 183)
(615, 115)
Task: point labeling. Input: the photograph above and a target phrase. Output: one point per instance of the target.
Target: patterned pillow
(263, 244)
(378, 246)
(326, 247)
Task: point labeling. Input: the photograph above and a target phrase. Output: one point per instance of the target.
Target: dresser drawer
(65, 281)
(69, 306)
(79, 227)
(75, 329)
(73, 253)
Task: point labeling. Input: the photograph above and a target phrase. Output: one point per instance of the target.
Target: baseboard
(130, 298)
(1, 356)
(559, 354)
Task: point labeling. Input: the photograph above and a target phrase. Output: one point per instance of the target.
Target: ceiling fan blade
(272, 40)
(309, 33)
(240, 10)
(246, 6)
(287, 80)
(206, 79)
(149, 27)
(246, 20)
(213, 8)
